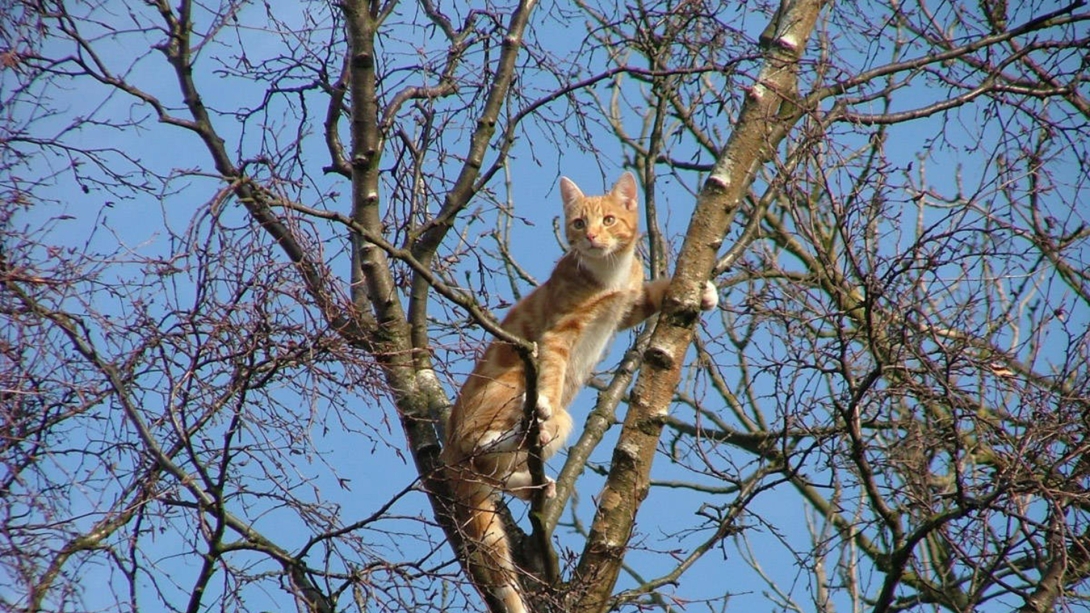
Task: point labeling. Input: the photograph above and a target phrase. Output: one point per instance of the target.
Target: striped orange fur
(596, 288)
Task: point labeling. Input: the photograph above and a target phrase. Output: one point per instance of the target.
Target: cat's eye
(608, 220)
(578, 224)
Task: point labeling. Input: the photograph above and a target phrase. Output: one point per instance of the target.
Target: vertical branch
(373, 285)
(759, 129)
(400, 337)
(431, 235)
(371, 275)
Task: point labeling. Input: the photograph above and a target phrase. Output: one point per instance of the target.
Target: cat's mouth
(597, 249)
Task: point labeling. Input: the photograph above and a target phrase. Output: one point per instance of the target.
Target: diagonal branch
(759, 129)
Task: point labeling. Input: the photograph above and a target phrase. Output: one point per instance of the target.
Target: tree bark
(767, 114)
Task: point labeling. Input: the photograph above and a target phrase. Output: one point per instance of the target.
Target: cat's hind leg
(521, 485)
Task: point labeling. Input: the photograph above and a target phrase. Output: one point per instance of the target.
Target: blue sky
(101, 222)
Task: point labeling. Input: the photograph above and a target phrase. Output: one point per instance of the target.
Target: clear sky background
(97, 221)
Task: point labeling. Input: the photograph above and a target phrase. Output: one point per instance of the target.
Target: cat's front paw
(550, 487)
(709, 298)
(544, 408)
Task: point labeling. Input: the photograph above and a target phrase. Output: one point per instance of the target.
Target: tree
(250, 251)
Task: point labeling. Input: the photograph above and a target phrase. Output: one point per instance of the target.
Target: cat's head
(601, 226)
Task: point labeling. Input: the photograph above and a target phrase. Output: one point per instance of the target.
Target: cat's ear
(569, 192)
(625, 189)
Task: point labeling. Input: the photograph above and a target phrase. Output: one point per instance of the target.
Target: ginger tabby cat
(596, 288)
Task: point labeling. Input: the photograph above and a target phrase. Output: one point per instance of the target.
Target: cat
(596, 288)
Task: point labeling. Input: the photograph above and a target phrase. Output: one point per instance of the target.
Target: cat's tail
(488, 550)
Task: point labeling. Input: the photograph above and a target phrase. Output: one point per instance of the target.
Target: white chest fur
(616, 274)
